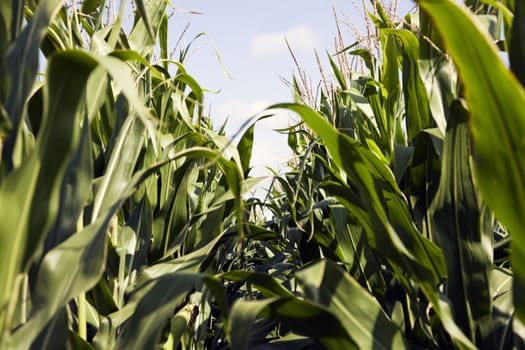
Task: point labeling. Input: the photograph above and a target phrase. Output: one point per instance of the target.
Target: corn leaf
(516, 47)
(395, 235)
(359, 313)
(142, 37)
(459, 222)
(74, 192)
(496, 101)
(22, 60)
(155, 301)
(29, 196)
(416, 99)
(300, 315)
(69, 269)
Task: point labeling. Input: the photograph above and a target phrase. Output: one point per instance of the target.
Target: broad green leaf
(144, 16)
(390, 80)
(142, 37)
(67, 270)
(55, 333)
(359, 313)
(74, 191)
(301, 315)
(243, 316)
(496, 101)
(381, 119)
(437, 72)
(163, 41)
(191, 262)
(29, 196)
(179, 215)
(22, 60)
(355, 250)
(124, 151)
(140, 221)
(460, 226)
(120, 72)
(152, 305)
(337, 72)
(381, 12)
(90, 5)
(266, 284)
(416, 99)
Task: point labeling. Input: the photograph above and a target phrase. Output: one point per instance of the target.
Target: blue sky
(249, 36)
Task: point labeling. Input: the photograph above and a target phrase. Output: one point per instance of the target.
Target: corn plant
(115, 191)
(125, 219)
(393, 183)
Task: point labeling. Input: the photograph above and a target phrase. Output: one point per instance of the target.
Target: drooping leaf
(359, 313)
(301, 315)
(245, 313)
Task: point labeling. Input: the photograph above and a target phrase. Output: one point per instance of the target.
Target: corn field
(126, 220)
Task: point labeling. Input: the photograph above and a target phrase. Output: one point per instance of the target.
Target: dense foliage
(125, 219)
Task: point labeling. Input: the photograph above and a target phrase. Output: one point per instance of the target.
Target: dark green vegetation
(124, 220)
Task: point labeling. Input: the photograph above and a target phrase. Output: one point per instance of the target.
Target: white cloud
(300, 37)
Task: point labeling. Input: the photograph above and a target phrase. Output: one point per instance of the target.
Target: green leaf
(301, 315)
(517, 46)
(392, 230)
(29, 196)
(338, 74)
(395, 235)
(69, 269)
(359, 313)
(163, 41)
(144, 16)
(74, 191)
(416, 98)
(390, 80)
(124, 151)
(461, 226)
(265, 283)
(90, 5)
(142, 36)
(151, 306)
(245, 148)
(496, 101)
(55, 334)
(22, 60)
(243, 316)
